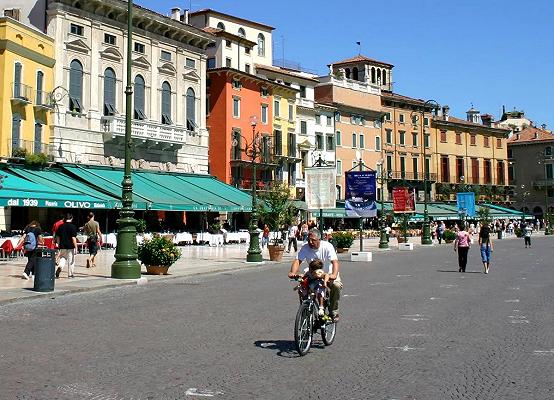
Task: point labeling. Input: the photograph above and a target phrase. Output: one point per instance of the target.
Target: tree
(484, 216)
(275, 207)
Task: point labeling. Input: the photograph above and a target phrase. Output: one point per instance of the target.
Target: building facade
(531, 170)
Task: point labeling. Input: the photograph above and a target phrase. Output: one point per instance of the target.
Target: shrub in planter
(158, 251)
(141, 225)
(518, 232)
(449, 236)
(342, 240)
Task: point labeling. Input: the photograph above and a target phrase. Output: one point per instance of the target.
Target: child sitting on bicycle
(316, 280)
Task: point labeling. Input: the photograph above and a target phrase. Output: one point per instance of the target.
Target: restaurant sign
(29, 202)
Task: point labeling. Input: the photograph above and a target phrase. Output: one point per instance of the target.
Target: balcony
(43, 100)
(351, 84)
(20, 148)
(246, 184)
(541, 184)
(410, 176)
(150, 134)
(21, 93)
(302, 102)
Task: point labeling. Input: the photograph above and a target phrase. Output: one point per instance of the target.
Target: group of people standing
(65, 239)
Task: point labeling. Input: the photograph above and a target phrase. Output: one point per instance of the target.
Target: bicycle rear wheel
(303, 329)
(328, 332)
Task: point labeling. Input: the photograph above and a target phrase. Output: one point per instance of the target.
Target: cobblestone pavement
(412, 327)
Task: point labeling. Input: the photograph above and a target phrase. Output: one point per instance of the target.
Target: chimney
(486, 119)
(536, 135)
(517, 136)
(185, 17)
(445, 110)
(176, 13)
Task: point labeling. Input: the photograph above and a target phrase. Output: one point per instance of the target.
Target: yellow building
(26, 67)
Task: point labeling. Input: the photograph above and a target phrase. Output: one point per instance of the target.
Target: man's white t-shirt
(326, 252)
(292, 231)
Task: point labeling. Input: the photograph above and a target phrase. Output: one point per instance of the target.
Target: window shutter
(40, 95)
(76, 84)
(109, 92)
(17, 81)
(139, 97)
(191, 110)
(16, 129)
(166, 103)
(38, 139)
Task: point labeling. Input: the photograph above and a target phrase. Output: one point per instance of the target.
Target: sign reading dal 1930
(51, 203)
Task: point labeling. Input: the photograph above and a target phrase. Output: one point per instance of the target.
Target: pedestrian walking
(32, 237)
(440, 231)
(94, 239)
(304, 229)
(265, 236)
(461, 246)
(527, 231)
(293, 231)
(66, 237)
(485, 245)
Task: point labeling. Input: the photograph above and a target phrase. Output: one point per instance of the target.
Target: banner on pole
(466, 203)
(403, 200)
(360, 194)
(321, 189)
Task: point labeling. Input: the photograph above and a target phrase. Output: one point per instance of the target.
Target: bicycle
(308, 321)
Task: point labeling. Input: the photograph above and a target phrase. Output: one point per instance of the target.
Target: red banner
(403, 200)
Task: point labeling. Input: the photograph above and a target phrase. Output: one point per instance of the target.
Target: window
(547, 152)
(17, 92)
(473, 139)
(236, 107)
(191, 110)
(247, 68)
(278, 142)
(354, 141)
(415, 167)
(414, 119)
(402, 137)
(414, 139)
(227, 43)
(339, 167)
(264, 92)
(389, 162)
(458, 138)
(426, 121)
(16, 132)
(549, 171)
(403, 167)
(445, 169)
(139, 47)
(387, 116)
(401, 118)
(486, 141)
(75, 86)
(76, 29)
(362, 141)
(460, 170)
(264, 113)
(292, 144)
(227, 62)
(291, 112)
(427, 140)
(241, 32)
(276, 107)
(236, 149)
(338, 137)
(139, 98)
(261, 45)
(443, 136)
(40, 94)
(220, 26)
(475, 170)
(330, 143)
(109, 92)
(236, 84)
(109, 39)
(210, 63)
(377, 143)
(337, 116)
(498, 143)
(37, 145)
(303, 127)
(247, 50)
(319, 141)
(190, 63)
(500, 172)
(373, 75)
(329, 121)
(318, 119)
(302, 92)
(388, 136)
(488, 172)
(166, 104)
(427, 167)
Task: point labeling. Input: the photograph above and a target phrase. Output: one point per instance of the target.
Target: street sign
(360, 194)
(321, 189)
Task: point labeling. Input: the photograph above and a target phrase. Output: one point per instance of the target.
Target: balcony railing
(541, 184)
(19, 148)
(306, 103)
(151, 131)
(44, 99)
(410, 176)
(22, 93)
(477, 180)
(246, 184)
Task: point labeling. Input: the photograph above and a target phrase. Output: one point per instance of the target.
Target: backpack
(30, 242)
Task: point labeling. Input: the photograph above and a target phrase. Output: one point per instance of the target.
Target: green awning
(21, 191)
(166, 190)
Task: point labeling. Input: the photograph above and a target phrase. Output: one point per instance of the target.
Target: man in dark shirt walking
(66, 238)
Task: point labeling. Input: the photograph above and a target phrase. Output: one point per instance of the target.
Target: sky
(485, 53)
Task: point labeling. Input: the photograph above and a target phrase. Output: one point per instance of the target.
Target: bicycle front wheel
(328, 332)
(303, 329)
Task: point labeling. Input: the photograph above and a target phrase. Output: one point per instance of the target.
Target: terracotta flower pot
(157, 269)
(275, 252)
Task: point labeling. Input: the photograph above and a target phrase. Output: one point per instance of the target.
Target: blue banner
(466, 203)
(360, 194)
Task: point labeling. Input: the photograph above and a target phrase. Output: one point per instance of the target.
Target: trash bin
(45, 273)
(500, 234)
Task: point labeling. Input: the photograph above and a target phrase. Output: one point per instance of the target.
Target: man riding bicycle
(324, 251)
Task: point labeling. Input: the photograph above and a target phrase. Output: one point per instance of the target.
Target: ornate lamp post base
(426, 236)
(547, 230)
(254, 253)
(126, 265)
(383, 241)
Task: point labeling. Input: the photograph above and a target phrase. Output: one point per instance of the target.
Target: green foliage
(487, 191)
(36, 160)
(214, 227)
(445, 190)
(275, 207)
(476, 189)
(484, 215)
(19, 152)
(449, 235)
(518, 232)
(141, 225)
(158, 251)
(342, 239)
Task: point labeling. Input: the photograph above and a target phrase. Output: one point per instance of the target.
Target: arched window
(261, 45)
(241, 32)
(548, 151)
(17, 92)
(372, 74)
(166, 104)
(16, 132)
(347, 73)
(75, 86)
(139, 98)
(378, 75)
(384, 77)
(40, 100)
(38, 138)
(109, 92)
(355, 73)
(191, 110)
(220, 26)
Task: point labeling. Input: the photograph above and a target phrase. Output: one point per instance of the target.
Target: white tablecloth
(211, 239)
(110, 239)
(182, 237)
(238, 237)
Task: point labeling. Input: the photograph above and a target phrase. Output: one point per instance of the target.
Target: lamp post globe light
(126, 265)
(434, 106)
(252, 149)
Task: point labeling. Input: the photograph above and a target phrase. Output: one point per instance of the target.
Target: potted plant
(158, 254)
(276, 209)
(342, 241)
(449, 236)
(141, 225)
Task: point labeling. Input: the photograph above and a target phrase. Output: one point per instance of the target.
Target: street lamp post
(252, 149)
(426, 235)
(547, 229)
(524, 195)
(126, 265)
(383, 240)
